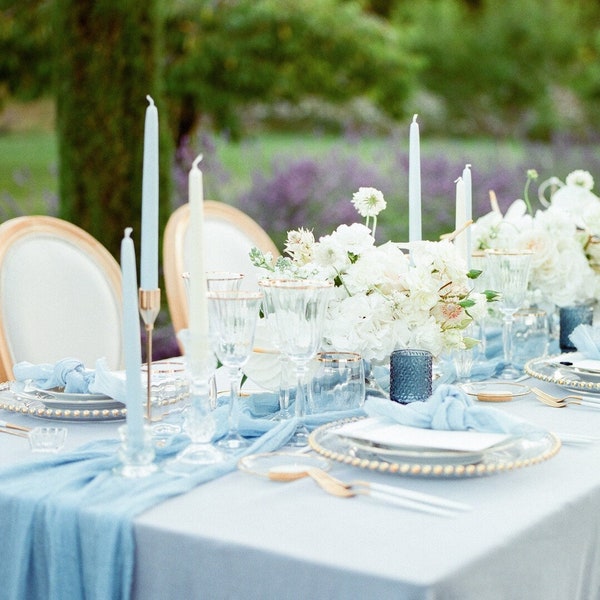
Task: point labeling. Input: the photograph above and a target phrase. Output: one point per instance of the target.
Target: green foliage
(107, 62)
(25, 33)
(496, 68)
(226, 55)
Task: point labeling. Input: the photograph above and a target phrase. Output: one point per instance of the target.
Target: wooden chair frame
(173, 250)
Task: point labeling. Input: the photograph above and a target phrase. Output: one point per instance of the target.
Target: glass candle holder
(136, 461)
(570, 318)
(47, 439)
(410, 375)
(337, 382)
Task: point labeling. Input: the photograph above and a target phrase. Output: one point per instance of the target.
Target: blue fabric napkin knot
(68, 373)
(449, 408)
(586, 339)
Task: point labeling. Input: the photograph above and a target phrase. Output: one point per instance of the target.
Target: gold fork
(389, 494)
(563, 402)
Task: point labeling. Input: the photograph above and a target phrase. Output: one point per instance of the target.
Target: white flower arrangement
(565, 266)
(381, 300)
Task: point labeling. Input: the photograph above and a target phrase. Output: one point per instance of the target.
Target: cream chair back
(60, 295)
(229, 236)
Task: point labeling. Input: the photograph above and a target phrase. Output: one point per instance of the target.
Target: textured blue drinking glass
(570, 318)
(410, 375)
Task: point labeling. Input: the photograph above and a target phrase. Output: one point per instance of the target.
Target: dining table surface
(532, 532)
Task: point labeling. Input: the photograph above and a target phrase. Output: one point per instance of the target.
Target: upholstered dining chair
(229, 234)
(60, 295)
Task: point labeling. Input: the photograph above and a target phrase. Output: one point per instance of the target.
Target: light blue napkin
(66, 521)
(68, 373)
(449, 408)
(586, 339)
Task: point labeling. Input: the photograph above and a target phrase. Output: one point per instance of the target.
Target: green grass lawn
(28, 168)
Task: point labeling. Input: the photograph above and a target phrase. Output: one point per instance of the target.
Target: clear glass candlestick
(299, 307)
(232, 322)
(509, 276)
(199, 422)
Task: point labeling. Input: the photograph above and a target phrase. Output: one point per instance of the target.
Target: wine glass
(216, 281)
(299, 307)
(199, 422)
(232, 324)
(509, 274)
(270, 321)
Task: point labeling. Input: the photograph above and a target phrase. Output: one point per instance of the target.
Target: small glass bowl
(47, 439)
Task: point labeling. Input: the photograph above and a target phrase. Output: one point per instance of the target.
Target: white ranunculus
(355, 238)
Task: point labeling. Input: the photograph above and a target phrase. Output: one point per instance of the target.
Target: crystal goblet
(232, 324)
(216, 281)
(509, 274)
(299, 307)
(270, 321)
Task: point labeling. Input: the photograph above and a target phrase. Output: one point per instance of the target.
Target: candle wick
(468, 166)
(150, 100)
(196, 161)
(415, 118)
(128, 231)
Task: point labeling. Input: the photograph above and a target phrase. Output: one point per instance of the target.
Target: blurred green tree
(497, 67)
(25, 60)
(226, 55)
(107, 59)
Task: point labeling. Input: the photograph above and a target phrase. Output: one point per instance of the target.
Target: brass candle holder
(149, 301)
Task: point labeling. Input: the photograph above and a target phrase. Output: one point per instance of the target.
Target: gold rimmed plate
(41, 404)
(552, 370)
(495, 391)
(517, 452)
(269, 463)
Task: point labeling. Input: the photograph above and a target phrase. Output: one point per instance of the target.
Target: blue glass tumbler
(410, 375)
(570, 318)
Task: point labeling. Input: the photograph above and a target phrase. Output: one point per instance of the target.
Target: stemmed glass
(216, 281)
(199, 421)
(270, 320)
(232, 324)
(509, 273)
(299, 307)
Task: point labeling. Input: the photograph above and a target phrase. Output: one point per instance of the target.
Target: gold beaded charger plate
(570, 377)
(514, 453)
(61, 406)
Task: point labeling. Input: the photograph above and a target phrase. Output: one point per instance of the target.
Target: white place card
(385, 432)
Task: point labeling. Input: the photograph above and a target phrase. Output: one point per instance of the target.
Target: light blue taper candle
(149, 254)
(132, 345)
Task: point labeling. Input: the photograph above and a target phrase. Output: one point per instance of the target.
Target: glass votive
(530, 335)
(47, 439)
(136, 460)
(169, 395)
(570, 317)
(410, 375)
(337, 382)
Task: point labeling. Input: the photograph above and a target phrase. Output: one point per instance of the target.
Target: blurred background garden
(293, 103)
